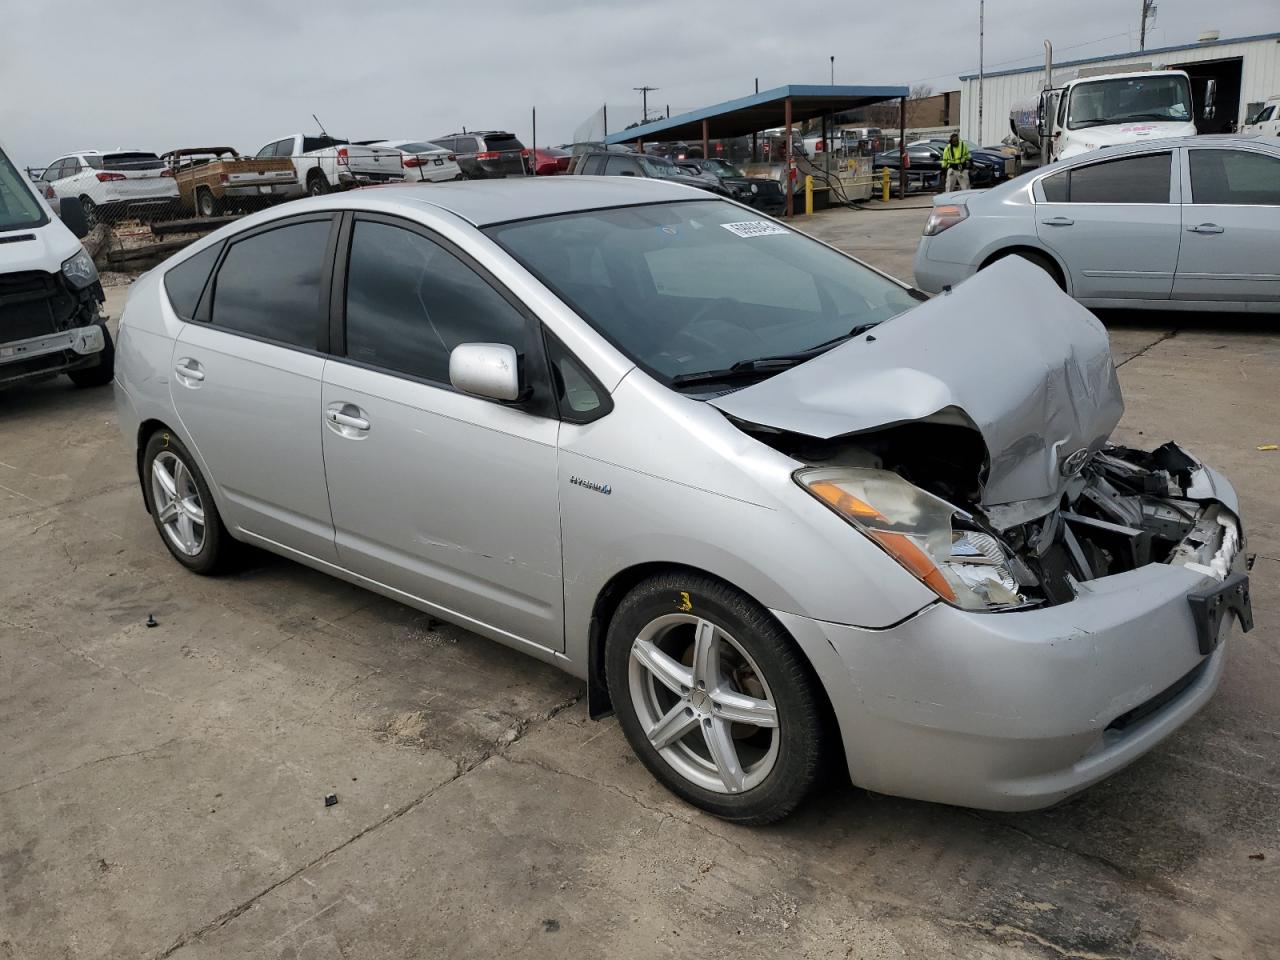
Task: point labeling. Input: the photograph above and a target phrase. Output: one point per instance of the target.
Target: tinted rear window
(131, 161)
(185, 282)
(503, 141)
(319, 143)
(422, 147)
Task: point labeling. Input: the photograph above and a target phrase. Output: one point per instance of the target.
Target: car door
(1115, 224)
(246, 377)
(1231, 225)
(448, 498)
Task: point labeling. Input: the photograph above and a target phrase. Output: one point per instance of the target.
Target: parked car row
(714, 176)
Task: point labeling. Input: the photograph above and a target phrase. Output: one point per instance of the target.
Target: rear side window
(186, 282)
(621, 166)
(131, 161)
(1130, 180)
(1234, 177)
(410, 302)
(270, 285)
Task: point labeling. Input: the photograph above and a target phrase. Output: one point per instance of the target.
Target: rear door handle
(188, 369)
(1206, 228)
(1058, 222)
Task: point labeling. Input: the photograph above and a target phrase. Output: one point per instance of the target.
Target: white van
(49, 290)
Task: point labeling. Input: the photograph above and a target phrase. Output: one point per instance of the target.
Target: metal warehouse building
(1247, 70)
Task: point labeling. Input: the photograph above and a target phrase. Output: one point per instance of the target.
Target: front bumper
(1017, 711)
(50, 353)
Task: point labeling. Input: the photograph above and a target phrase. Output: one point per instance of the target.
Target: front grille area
(33, 304)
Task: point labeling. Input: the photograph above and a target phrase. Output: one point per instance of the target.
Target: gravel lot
(161, 790)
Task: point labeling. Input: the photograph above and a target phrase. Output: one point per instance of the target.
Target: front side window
(695, 286)
(269, 284)
(1239, 177)
(18, 206)
(410, 302)
(1263, 115)
(1143, 179)
(52, 172)
(1124, 100)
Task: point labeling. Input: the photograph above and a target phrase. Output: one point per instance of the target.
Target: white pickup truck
(1091, 112)
(326, 163)
(1265, 121)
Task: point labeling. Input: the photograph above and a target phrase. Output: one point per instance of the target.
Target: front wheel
(714, 698)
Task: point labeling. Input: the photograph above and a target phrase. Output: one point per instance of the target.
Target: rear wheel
(91, 216)
(206, 203)
(1039, 260)
(714, 698)
(182, 506)
(317, 185)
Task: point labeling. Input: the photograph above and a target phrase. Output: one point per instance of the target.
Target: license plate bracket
(1210, 607)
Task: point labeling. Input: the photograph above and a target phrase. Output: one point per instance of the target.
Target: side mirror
(72, 213)
(489, 370)
(1210, 97)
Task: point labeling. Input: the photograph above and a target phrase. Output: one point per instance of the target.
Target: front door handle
(1206, 228)
(347, 420)
(1058, 222)
(188, 370)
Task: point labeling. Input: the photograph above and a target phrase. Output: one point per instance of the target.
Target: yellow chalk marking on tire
(685, 603)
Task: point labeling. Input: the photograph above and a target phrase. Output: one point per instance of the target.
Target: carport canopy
(760, 111)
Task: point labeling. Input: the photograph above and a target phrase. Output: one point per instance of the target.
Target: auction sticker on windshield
(754, 228)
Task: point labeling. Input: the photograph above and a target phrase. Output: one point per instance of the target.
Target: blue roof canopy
(760, 111)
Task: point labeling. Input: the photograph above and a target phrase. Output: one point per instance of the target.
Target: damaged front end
(1120, 510)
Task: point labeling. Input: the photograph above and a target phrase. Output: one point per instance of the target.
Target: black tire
(91, 215)
(218, 550)
(1041, 261)
(207, 205)
(801, 730)
(101, 373)
(317, 185)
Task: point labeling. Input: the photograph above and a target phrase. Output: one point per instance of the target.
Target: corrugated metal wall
(1260, 78)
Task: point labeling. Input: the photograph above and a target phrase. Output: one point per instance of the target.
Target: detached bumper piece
(1209, 607)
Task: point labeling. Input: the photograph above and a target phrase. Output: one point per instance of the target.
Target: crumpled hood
(1025, 364)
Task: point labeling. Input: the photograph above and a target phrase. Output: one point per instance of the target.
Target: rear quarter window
(503, 142)
(185, 283)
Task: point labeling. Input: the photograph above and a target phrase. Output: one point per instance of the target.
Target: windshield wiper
(745, 369)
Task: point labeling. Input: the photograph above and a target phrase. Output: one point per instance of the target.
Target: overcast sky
(150, 74)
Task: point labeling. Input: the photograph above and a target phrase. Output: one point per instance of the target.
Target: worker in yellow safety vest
(956, 161)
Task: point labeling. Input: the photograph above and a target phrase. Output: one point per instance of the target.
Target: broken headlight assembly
(79, 270)
(965, 567)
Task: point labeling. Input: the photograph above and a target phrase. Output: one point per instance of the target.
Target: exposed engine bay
(916, 489)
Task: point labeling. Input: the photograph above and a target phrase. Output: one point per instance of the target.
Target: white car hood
(1094, 138)
(48, 247)
(1036, 381)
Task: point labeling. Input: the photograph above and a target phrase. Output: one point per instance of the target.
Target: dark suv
(610, 164)
(488, 154)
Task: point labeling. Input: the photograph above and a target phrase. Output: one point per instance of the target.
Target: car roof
(1169, 143)
(485, 202)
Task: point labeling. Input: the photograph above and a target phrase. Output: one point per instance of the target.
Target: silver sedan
(1187, 224)
(777, 512)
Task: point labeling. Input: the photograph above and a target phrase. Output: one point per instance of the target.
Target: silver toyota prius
(774, 507)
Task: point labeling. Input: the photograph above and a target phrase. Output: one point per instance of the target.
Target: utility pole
(982, 11)
(644, 101)
(1148, 13)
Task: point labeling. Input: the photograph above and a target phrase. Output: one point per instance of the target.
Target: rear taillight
(453, 158)
(167, 172)
(524, 152)
(944, 217)
(224, 178)
(108, 177)
(411, 161)
(343, 159)
(50, 194)
(488, 155)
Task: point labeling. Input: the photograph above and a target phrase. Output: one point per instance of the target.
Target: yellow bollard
(884, 184)
(808, 195)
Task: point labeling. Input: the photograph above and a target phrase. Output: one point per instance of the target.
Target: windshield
(695, 286)
(1129, 98)
(18, 206)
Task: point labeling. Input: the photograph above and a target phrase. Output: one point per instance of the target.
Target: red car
(549, 161)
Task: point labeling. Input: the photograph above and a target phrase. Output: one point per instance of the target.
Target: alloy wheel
(703, 703)
(178, 507)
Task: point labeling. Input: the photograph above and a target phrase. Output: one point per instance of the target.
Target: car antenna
(323, 131)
